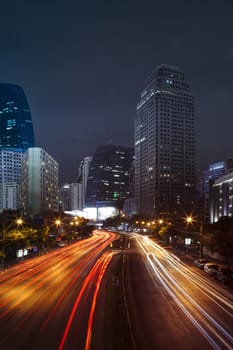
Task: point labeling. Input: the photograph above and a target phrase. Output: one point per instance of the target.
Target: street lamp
(57, 222)
(5, 229)
(190, 220)
(201, 244)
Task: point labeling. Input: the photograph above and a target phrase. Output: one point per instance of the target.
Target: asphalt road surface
(49, 302)
(105, 293)
(172, 305)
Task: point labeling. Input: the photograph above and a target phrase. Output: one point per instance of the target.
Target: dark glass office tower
(108, 179)
(165, 145)
(16, 129)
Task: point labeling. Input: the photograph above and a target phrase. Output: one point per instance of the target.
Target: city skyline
(82, 69)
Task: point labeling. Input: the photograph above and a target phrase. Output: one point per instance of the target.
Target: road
(49, 302)
(179, 306)
(135, 295)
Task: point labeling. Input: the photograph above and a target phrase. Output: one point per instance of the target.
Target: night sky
(82, 65)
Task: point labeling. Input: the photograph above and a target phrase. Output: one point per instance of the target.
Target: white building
(221, 198)
(10, 179)
(39, 182)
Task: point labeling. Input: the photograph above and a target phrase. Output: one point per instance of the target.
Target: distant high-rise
(165, 145)
(82, 179)
(16, 129)
(64, 194)
(108, 179)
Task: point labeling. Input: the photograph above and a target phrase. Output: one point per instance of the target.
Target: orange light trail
(91, 316)
(86, 283)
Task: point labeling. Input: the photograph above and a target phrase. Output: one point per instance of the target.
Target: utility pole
(202, 218)
(3, 244)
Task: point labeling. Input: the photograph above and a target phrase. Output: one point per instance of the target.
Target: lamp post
(201, 244)
(5, 229)
(190, 220)
(57, 222)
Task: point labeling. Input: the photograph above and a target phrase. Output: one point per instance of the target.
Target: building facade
(165, 145)
(214, 172)
(10, 179)
(16, 129)
(108, 179)
(221, 198)
(39, 182)
(9, 196)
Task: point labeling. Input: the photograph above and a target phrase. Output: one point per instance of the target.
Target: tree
(220, 238)
(42, 238)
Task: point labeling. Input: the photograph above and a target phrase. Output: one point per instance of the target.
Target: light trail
(192, 301)
(75, 276)
(186, 312)
(108, 257)
(198, 280)
(100, 264)
(174, 275)
(38, 293)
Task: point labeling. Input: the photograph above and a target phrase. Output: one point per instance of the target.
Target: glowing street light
(57, 222)
(189, 219)
(19, 221)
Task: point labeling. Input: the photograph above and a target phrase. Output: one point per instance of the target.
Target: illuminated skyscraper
(16, 130)
(108, 178)
(165, 145)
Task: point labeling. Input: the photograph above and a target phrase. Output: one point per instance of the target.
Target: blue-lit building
(209, 176)
(221, 198)
(16, 136)
(16, 129)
